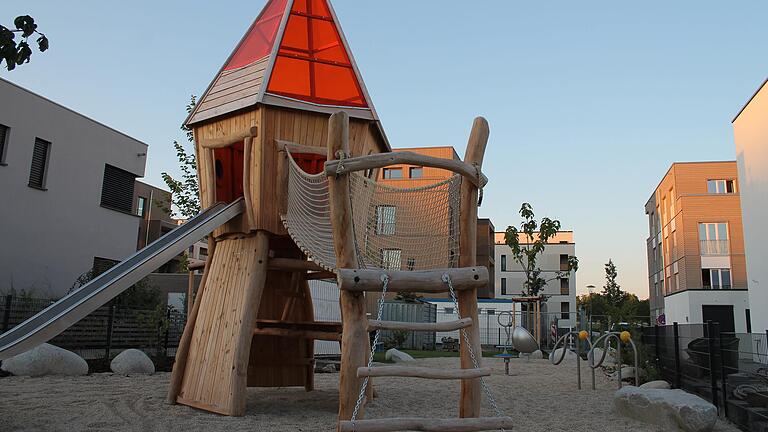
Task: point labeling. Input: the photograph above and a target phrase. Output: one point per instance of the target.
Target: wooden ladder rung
(427, 424)
(426, 281)
(421, 372)
(444, 326)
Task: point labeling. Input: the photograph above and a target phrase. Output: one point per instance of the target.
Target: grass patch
(420, 354)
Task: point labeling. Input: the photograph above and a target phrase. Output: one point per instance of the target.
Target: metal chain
(447, 280)
(384, 286)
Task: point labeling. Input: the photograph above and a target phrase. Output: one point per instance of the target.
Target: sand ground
(539, 397)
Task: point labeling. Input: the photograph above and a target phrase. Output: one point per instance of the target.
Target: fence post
(110, 325)
(656, 345)
(167, 329)
(723, 374)
(711, 327)
(676, 336)
(7, 313)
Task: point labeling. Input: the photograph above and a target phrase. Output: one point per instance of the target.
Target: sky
(588, 102)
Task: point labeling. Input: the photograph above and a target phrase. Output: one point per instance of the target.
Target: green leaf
(42, 43)
(23, 52)
(26, 24)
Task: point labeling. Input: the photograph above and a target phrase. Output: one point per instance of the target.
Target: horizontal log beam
(426, 281)
(319, 275)
(293, 147)
(444, 326)
(380, 160)
(421, 372)
(228, 140)
(323, 326)
(301, 334)
(292, 264)
(427, 424)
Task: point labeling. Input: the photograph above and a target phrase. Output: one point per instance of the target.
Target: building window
(117, 189)
(721, 186)
(503, 263)
(565, 308)
(716, 278)
(490, 311)
(100, 265)
(448, 310)
(563, 262)
(203, 253)
(39, 169)
(385, 220)
(393, 173)
(503, 286)
(564, 286)
(411, 263)
(4, 133)
(713, 238)
(140, 206)
(416, 172)
(390, 259)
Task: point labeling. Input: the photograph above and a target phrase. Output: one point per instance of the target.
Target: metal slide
(61, 315)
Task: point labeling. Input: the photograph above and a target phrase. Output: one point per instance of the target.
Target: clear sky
(589, 102)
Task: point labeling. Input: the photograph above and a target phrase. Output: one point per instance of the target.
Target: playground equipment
(530, 315)
(517, 337)
(620, 337)
(300, 202)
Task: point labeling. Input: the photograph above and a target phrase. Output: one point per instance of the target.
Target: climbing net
(394, 228)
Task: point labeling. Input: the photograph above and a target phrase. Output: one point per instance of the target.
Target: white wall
(51, 237)
(751, 135)
(685, 307)
(549, 262)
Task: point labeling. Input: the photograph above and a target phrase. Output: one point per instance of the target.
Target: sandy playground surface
(540, 397)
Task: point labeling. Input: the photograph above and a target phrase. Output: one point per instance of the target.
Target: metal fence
(728, 369)
(106, 331)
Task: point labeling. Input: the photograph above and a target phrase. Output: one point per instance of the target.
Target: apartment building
(750, 130)
(67, 193)
(560, 306)
(696, 262)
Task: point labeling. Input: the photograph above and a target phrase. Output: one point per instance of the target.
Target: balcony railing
(715, 247)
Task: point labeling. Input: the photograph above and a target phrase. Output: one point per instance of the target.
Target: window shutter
(117, 189)
(39, 163)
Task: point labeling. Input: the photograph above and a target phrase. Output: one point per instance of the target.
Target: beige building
(696, 265)
(750, 129)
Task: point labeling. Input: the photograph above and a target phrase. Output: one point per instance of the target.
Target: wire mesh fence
(728, 369)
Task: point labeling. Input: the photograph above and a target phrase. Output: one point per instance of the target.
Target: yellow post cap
(583, 335)
(625, 336)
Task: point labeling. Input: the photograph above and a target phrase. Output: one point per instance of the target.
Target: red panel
(229, 172)
(310, 163)
(312, 63)
(261, 36)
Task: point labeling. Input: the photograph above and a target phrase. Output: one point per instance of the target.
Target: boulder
(670, 409)
(45, 360)
(627, 373)
(537, 355)
(325, 368)
(397, 356)
(555, 355)
(132, 361)
(597, 354)
(659, 384)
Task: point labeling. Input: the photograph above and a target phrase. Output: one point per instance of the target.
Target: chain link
(384, 286)
(491, 399)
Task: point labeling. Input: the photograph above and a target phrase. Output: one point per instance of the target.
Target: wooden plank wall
(208, 380)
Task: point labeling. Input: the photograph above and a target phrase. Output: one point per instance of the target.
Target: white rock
(670, 409)
(597, 353)
(132, 361)
(627, 373)
(555, 355)
(537, 355)
(660, 384)
(45, 360)
(397, 356)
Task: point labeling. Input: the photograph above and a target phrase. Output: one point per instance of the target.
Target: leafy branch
(185, 190)
(17, 53)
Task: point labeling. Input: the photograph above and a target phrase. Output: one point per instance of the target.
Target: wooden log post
(182, 352)
(471, 396)
(354, 322)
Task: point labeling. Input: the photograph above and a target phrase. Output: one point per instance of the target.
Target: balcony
(714, 247)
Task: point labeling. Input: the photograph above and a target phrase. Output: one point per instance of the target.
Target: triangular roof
(298, 49)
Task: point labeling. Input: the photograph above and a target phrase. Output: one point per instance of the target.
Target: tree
(13, 53)
(612, 290)
(526, 253)
(185, 191)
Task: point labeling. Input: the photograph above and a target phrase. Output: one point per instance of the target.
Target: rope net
(395, 228)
